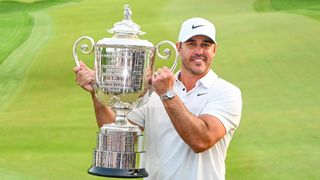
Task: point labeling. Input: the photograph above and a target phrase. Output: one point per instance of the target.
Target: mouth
(198, 59)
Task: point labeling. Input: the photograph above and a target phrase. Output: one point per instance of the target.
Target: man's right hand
(84, 76)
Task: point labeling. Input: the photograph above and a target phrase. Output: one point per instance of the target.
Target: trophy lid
(126, 26)
(125, 32)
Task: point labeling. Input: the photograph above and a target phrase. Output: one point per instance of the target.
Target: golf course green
(268, 48)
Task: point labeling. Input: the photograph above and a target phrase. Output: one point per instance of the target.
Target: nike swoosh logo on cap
(194, 27)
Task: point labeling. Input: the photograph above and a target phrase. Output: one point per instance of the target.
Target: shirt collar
(206, 80)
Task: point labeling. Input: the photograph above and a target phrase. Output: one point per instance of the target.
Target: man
(190, 119)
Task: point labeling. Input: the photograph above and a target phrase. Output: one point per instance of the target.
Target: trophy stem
(121, 115)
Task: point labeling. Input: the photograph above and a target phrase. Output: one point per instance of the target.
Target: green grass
(16, 23)
(268, 48)
(15, 28)
(309, 8)
(280, 5)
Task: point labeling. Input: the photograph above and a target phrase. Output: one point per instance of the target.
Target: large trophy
(120, 67)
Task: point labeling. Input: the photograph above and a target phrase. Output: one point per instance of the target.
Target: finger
(88, 87)
(85, 81)
(83, 65)
(153, 80)
(156, 74)
(85, 72)
(76, 69)
(159, 71)
(85, 75)
(166, 69)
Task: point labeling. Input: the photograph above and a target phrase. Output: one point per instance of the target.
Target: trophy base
(118, 173)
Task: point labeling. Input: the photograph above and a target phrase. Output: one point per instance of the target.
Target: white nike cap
(197, 26)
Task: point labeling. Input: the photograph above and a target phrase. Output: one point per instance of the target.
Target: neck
(189, 80)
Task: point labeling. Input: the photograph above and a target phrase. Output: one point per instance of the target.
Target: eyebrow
(207, 40)
(190, 40)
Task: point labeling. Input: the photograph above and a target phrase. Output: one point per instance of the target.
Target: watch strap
(169, 94)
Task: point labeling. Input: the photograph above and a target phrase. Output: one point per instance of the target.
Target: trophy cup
(120, 66)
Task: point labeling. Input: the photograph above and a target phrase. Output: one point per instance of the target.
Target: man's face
(197, 54)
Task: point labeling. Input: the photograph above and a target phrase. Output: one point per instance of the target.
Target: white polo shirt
(168, 157)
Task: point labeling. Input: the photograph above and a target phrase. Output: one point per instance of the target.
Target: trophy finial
(127, 12)
(126, 28)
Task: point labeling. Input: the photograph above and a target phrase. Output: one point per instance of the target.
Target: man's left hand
(162, 80)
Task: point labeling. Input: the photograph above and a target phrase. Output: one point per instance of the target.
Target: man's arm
(84, 78)
(104, 114)
(200, 133)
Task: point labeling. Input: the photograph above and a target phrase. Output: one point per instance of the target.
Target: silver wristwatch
(168, 95)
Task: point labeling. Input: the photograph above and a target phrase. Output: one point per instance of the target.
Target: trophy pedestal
(118, 173)
(119, 152)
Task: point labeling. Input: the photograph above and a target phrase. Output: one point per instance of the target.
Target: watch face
(170, 94)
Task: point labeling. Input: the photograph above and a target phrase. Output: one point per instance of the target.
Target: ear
(178, 46)
(215, 49)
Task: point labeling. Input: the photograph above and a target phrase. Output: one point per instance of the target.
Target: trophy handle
(83, 47)
(167, 53)
(166, 56)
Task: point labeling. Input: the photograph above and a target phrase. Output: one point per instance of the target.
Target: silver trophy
(120, 66)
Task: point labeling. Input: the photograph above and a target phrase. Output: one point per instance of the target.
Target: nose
(199, 50)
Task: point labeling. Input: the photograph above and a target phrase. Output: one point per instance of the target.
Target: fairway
(269, 48)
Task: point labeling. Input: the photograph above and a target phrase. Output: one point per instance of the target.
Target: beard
(196, 65)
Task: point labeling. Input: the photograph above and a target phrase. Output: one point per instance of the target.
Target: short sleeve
(226, 106)
(137, 116)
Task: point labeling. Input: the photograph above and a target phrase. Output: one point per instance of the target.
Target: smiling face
(197, 55)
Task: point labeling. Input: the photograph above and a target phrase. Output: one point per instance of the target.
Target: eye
(206, 45)
(191, 44)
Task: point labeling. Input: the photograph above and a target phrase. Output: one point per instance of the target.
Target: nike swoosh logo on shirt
(200, 94)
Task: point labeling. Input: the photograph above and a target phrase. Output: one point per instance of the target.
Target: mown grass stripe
(11, 175)
(14, 69)
(15, 28)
